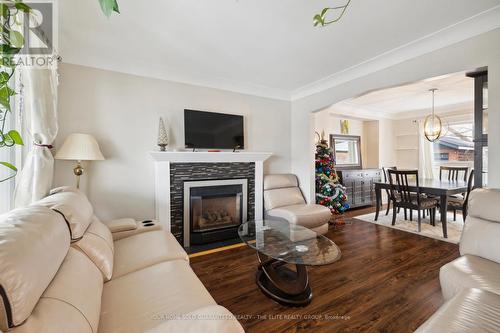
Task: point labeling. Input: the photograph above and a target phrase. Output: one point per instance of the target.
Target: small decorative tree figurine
(162, 135)
(329, 191)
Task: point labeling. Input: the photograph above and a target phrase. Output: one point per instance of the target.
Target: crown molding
(473, 26)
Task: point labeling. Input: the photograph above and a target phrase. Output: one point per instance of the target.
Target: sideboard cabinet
(360, 185)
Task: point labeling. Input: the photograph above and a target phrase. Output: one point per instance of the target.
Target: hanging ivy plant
(11, 43)
(321, 19)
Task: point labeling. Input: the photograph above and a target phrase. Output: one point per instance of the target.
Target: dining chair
(455, 204)
(453, 172)
(403, 197)
(384, 171)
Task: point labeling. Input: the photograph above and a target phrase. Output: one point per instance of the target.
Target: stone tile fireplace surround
(175, 169)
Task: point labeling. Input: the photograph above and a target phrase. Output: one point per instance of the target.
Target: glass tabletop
(290, 243)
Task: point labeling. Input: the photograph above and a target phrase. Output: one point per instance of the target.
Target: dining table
(441, 189)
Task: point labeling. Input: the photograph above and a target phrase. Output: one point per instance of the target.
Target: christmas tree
(329, 191)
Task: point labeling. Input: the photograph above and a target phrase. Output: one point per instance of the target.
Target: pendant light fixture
(433, 125)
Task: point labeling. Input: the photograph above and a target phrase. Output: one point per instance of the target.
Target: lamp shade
(80, 147)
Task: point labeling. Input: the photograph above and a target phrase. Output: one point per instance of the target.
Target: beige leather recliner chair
(283, 200)
(471, 283)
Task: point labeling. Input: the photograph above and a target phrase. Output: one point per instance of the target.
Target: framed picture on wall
(344, 126)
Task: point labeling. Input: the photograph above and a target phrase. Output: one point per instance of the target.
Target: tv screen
(210, 130)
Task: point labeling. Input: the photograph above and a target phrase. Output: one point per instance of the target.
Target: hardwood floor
(386, 281)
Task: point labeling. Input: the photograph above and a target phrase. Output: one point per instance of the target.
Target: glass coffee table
(281, 245)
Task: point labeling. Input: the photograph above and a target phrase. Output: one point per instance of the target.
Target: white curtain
(426, 154)
(39, 95)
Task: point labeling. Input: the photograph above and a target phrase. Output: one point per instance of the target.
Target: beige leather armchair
(471, 283)
(479, 264)
(284, 200)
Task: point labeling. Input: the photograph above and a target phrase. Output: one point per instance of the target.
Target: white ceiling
(455, 93)
(261, 47)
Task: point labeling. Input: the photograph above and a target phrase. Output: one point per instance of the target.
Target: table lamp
(79, 147)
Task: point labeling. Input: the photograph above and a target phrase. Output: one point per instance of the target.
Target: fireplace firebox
(213, 210)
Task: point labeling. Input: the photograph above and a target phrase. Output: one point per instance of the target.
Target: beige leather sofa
(471, 283)
(284, 200)
(61, 271)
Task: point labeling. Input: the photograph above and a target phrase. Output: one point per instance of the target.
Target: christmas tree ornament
(162, 135)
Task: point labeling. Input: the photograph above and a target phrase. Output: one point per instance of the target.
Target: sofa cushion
(472, 310)
(72, 301)
(141, 300)
(283, 197)
(75, 207)
(145, 249)
(483, 204)
(480, 238)
(469, 272)
(97, 244)
(309, 216)
(212, 318)
(33, 244)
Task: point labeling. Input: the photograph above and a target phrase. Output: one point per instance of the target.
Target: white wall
(483, 50)
(122, 112)
(387, 143)
(370, 144)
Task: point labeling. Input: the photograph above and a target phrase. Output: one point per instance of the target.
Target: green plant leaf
(16, 39)
(4, 92)
(4, 77)
(22, 6)
(5, 103)
(109, 6)
(16, 137)
(4, 9)
(6, 49)
(115, 7)
(8, 165)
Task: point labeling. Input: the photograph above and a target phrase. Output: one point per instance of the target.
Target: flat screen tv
(210, 130)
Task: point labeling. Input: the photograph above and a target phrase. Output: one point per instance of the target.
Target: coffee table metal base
(282, 284)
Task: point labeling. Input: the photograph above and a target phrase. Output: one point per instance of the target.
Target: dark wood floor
(386, 281)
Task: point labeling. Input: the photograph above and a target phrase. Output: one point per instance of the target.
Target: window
(441, 156)
(456, 147)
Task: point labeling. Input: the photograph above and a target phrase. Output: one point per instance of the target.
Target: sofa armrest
(123, 228)
(120, 225)
(209, 319)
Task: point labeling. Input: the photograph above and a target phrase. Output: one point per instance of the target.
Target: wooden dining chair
(403, 197)
(384, 171)
(455, 204)
(453, 172)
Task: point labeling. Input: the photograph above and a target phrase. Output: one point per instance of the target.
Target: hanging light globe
(433, 125)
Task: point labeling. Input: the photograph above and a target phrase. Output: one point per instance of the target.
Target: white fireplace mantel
(162, 175)
(208, 157)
